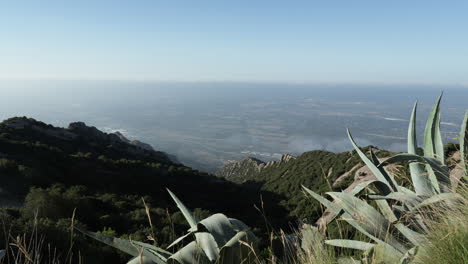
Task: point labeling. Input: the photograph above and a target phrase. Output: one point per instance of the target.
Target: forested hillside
(50, 174)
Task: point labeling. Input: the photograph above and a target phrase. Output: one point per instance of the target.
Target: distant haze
(206, 124)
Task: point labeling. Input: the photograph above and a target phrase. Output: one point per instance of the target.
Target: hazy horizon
(206, 124)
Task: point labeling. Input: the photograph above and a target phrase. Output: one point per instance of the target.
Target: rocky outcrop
(242, 170)
(30, 123)
(236, 171)
(136, 143)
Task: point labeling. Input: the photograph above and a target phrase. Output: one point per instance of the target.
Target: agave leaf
(329, 205)
(153, 249)
(362, 211)
(333, 208)
(219, 226)
(353, 244)
(412, 236)
(464, 144)
(382, 204)
(365, 184)
(129, 247)
(405, 198)
(234, 252)
(350, 220)
(207, 243)
(382, 252)
(442, 197)
(368, 218)
(419, 177)
(438, 173)
(383, 171)
(185, 211)
(178, 240)
(190, 254)
(140, 260)
(433, 146)
(406, 190)
(237, 238)
(238, 225)
(377, 173)
(384, 207)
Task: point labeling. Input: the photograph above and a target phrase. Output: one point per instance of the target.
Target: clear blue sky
(317, 41)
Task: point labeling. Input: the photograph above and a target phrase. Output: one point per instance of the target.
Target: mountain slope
(320, 170)
(50, 171)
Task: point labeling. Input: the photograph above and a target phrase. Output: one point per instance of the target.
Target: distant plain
(206, 124)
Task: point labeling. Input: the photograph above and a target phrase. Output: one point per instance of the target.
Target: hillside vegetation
(60, 185)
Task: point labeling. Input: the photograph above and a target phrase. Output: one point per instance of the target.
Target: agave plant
(217, 239)
(395, 223)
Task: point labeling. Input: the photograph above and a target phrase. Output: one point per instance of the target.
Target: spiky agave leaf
(381, 253)
(190, 254)
(219, 226)
(365, 185)
(140, 260)
(389, 181)
(353, 244)
(419, 177)
(204, 240)
(438, 173)
(335, 208)
(446, 198)
(357, 225)
(405, 198)
(218, 231)
(368, 218)
(433, 146)
(179, 239)
(383, 204)
(133, 248)
(213, 232)
(375, 160)
(207, 243)
(238, 225)
(184, 210)
(328, 204)
(236, 251)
